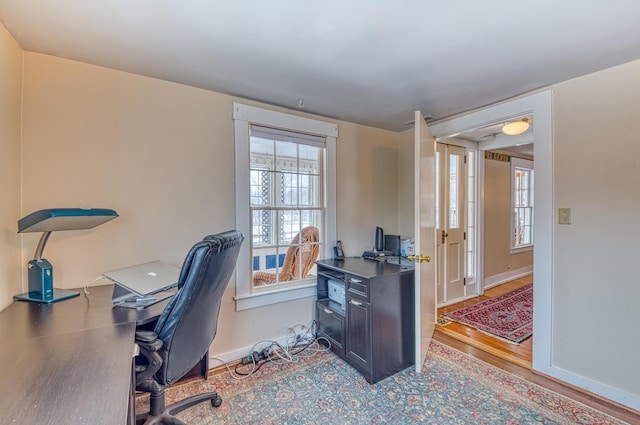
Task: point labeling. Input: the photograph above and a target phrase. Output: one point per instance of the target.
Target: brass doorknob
(419, 258)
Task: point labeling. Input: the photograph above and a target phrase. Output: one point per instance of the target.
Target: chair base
(167, 417)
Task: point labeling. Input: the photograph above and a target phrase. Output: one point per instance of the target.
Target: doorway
(507, 243)
(539, 107)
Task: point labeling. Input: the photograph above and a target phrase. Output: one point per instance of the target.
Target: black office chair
(186, 327)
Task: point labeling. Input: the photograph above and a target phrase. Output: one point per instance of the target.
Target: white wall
(367, 185)
(597, 174)
(10, 124)
(161, 154)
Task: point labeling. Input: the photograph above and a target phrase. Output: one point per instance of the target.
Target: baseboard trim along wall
(216, 360)
(497, 279)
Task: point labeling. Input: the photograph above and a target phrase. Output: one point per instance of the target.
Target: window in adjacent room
(471, 217)
(522, 202)
(285, 201)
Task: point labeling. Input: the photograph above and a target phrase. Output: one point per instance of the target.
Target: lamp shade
(53, 219)
(514, 128)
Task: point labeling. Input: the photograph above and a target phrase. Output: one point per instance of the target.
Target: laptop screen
(145, 279)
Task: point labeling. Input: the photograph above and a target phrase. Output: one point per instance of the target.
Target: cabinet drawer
(357, 286)
(331, 325)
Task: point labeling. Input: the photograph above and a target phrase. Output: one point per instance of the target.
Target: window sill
(261, 299)
(522, 249)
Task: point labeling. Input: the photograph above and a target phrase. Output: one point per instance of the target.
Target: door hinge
(465, 159)
(464, 281)
(465, 236)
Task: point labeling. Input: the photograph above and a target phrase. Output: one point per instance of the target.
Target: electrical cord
(296, 346)
(231, 372)
(86, 287)
(307, 340)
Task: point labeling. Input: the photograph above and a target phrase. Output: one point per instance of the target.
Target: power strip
(255, 357)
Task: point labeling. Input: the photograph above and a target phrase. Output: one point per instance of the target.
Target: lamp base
(41, 288)
(36, 297)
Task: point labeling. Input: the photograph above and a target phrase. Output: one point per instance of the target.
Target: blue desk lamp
(41, 288)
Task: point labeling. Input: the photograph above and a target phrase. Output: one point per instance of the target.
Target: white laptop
(143, 284)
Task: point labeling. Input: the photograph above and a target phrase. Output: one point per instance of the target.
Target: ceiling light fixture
(514, 128)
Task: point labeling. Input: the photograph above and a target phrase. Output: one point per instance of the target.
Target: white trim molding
(243, 117)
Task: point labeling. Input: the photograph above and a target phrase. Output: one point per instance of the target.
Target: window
(522, 202)
(454, 160)
(471, 216)
(285, 203)
(286, 208)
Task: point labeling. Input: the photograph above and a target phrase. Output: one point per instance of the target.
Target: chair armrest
(149, 345)
(146, 336)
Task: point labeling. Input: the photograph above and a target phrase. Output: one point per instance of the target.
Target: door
(450, 221)
(359, 335)
(424, 231)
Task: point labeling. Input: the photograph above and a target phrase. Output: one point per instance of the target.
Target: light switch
(564, 215)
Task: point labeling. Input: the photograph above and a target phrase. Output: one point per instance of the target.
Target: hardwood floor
(519, 354)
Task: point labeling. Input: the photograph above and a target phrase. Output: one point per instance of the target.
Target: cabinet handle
(354, 302)
(326, 310)
(352, 280)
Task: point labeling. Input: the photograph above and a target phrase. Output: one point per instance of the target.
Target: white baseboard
(630, 400)
(497, 279)
(456, 301)
(217, 359)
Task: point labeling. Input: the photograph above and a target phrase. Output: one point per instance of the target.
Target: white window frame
(243, 117)
(526, 164)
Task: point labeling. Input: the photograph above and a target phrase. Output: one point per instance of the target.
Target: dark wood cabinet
(373, 328)
(359, 334)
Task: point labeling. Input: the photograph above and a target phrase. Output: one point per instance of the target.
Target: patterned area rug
(508, 316)
(453, 388)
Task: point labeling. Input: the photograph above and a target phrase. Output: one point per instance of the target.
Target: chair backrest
(293, 264)
(189, 323)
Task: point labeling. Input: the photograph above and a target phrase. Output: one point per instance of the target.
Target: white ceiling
(366, 61)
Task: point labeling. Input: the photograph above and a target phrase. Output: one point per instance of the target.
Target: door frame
(539, 105)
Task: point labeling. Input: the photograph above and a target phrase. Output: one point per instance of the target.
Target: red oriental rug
(508, 316)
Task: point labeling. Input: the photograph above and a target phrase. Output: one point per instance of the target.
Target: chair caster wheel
(216, 402)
